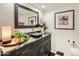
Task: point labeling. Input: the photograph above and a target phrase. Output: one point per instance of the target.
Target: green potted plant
(20, 36)
(45, 27)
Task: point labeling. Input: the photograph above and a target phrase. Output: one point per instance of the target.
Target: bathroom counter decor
(13, 43)
(31, 47)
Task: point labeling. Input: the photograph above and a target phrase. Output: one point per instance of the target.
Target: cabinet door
(47, 44)
(41, 46)
(38, 51)
(41, 50)
(26, 50)
(35, 51)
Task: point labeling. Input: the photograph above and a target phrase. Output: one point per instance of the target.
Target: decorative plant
(44, 25)
(19, 34)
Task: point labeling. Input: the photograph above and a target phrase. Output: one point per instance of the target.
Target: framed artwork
(64, 20)
(32, 21)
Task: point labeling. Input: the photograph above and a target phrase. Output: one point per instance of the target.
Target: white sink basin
(74, 51)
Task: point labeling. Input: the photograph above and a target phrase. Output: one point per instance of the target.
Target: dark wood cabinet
(47, 43)
(37, 48)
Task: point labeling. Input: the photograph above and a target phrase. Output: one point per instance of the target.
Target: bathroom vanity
(32, 47)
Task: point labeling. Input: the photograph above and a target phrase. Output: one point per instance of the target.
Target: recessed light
(43, 6)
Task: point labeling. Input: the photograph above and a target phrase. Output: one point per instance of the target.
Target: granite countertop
(30, 40)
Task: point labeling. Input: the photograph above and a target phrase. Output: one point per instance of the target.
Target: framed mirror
(25, 17)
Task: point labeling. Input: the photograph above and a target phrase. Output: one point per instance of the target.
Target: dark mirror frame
(16, 5)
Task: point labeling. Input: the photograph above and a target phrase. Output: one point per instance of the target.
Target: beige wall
(59, 41)
(6, 15)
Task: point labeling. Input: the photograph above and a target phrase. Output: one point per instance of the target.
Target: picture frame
(32, 21)
(64, 20)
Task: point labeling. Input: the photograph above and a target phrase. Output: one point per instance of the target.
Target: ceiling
(50, 6)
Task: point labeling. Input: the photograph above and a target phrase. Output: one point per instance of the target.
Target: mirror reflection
(25, 17)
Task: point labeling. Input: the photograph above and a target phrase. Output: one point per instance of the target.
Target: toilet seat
(75, 51)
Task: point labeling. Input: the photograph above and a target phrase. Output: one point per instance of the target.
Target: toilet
(74, 51)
